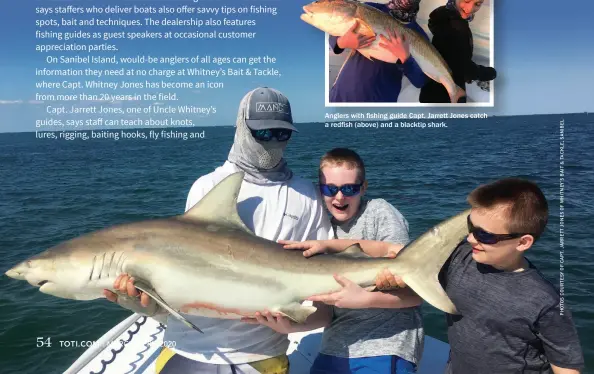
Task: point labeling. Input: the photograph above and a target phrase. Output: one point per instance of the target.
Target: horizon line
(298, 123)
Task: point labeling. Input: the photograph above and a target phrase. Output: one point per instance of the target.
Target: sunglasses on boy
(486, 237)
(266, 135)
(347, 190)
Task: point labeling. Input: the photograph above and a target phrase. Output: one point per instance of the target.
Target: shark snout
(14, 273)
(20, 271)
(25, 272)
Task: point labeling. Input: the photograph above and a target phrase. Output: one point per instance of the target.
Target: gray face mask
(262, 155)
(262, 161)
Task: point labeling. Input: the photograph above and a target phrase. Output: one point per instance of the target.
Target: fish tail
(456, 94)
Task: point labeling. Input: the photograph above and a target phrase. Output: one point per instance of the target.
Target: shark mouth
(40, 284)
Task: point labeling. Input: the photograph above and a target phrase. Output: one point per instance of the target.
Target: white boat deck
(133, 345)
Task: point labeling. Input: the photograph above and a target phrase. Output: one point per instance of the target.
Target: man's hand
(275, 321)
(385, 280)
(396, 44)
(351, 295)
(309, 247)
(125, 284)
(352, 40)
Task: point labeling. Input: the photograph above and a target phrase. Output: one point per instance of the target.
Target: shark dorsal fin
(219, 205)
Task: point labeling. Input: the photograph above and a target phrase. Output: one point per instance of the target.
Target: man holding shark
(200, 272)
(274, 204)
(222, 258)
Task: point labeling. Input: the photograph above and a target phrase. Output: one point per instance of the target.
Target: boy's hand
(275, 321)
(385, 280)
(125, 284)
(351, 295)
(309, 247)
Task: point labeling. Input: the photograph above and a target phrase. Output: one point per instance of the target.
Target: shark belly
(220, 292)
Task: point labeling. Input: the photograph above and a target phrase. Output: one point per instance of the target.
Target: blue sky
(541, 54)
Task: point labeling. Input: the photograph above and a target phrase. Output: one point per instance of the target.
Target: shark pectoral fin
(133, 304)
(297, 312)
(153, 294)
(219, 205)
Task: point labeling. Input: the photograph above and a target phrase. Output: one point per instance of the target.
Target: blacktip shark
(206, 262)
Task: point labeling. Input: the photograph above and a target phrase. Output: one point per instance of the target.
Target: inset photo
(428, 53)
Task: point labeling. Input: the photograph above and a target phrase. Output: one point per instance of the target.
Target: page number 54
(41, 342)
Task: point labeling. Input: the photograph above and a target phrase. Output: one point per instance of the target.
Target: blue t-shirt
(363, 80)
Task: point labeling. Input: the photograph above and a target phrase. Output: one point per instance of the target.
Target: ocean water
(51, 191)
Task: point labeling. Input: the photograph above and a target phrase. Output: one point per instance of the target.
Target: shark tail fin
(426, 256)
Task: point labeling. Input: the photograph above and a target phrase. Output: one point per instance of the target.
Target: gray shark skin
(206, 262)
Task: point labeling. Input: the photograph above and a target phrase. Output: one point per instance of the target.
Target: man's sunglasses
(486, 237)
(347, 190)
(282, 135)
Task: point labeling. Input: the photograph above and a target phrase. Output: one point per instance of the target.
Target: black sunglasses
(486, 237)
(266, 135)
(347, 190)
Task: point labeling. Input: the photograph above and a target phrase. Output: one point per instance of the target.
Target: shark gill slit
(102, 265)
(110, 264)
(119, 264)
(92, 268)
(123, 263)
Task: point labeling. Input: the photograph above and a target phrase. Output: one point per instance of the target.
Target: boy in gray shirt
(511, 318)
(365, 332)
